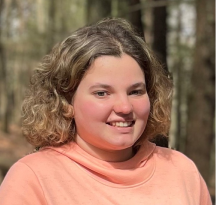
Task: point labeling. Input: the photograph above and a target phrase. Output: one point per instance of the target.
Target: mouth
(121, 124)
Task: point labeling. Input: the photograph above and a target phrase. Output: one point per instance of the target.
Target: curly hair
(47, 117)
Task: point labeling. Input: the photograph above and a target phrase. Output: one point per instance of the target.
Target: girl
(95, 103)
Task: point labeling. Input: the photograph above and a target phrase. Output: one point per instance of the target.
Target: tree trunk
(41, 16)
(51, 25)
(181, 87)
(97, 9)
(160, 33)
(200, 132)
(213, 51)
(135, 18)
(177, 71)
(3, 78)
(159, 47)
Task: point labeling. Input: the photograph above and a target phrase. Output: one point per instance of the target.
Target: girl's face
(111, 107)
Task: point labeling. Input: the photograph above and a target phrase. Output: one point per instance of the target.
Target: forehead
(106, 68)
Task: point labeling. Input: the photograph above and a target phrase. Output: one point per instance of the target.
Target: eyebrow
(105, 86)
(100, 85)
(140, 84)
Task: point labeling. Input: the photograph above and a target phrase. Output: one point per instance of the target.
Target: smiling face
(111, 107)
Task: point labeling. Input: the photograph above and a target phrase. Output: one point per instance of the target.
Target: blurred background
(181, 32)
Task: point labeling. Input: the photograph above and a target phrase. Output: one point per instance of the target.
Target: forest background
(181, 32)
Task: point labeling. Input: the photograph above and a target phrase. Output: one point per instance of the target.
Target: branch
(153, 4)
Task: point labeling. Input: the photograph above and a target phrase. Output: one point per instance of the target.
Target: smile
(121, 124)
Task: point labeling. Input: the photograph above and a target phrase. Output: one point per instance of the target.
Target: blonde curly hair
(47, 117)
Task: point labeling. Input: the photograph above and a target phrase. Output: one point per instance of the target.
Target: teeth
(121, 124)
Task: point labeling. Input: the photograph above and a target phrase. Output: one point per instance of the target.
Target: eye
(137, 92)
(100, 93)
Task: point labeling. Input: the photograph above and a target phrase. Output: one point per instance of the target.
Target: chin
(121, 145)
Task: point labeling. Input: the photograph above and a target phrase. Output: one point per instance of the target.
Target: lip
(116, 121)
(120, 120)
(123, 130)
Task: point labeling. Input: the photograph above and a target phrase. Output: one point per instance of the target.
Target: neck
(103, 154)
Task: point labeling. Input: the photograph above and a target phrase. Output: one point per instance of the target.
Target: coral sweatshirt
(69, 176)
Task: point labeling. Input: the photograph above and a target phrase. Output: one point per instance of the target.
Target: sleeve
(205, 198)
(21, 187)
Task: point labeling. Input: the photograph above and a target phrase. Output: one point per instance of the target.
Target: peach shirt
(68, 175)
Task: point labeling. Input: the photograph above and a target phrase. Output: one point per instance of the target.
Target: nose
(122, 105)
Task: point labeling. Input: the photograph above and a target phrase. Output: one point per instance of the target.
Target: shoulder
(176, 168)
(42, 161)
(33, 162)
(174, 158)
(21, 177)
(41, 156)
(30, 170)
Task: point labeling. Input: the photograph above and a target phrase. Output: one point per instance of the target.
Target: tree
(5, 88)
(135, 17)
(160, 32)
(52, 24)
(200, 130)
(160, 48)
(97, 9)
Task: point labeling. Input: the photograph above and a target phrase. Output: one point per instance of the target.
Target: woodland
(180, 32)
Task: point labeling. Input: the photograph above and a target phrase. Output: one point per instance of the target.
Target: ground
(13, 146)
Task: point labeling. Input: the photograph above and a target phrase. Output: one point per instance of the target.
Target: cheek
(88, 109)
(84, 109)
(143, 108)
